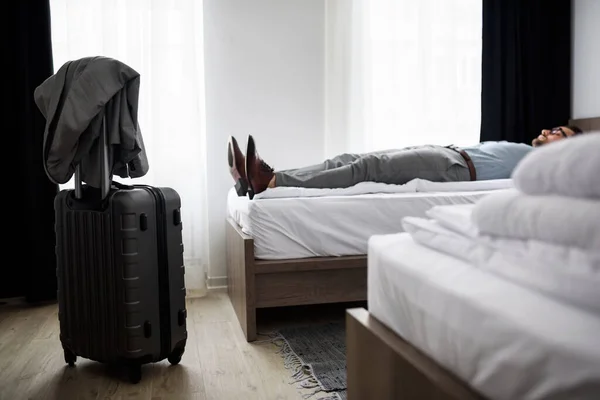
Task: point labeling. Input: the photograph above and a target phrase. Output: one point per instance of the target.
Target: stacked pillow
(556, 197)
(568, 168)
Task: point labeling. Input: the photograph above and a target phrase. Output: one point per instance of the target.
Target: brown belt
(468, 160)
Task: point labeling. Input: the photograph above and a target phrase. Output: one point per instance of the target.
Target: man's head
(554, 134)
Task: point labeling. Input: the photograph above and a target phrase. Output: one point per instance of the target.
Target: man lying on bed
(484, 161)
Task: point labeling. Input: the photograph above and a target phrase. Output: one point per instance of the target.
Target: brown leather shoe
(259, 173)
(237, 166)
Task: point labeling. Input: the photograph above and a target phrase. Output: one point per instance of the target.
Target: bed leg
(250, 329)
(240, 278)
(364, 351)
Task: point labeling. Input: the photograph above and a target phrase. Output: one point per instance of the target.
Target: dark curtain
(28, 268)
(526, 68)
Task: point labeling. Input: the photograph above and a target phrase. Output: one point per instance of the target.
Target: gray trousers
(431, 162)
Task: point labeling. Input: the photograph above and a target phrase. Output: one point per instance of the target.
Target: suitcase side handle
(105, 176)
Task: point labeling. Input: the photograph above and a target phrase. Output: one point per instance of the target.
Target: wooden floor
(218, 363)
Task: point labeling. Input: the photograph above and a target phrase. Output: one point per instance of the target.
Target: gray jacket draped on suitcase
(74, 101)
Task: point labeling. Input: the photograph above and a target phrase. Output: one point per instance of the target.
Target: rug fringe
(309, 383)
(311, 394)
(269, 334)
(302, 374)
(272, 338)
(335, 396)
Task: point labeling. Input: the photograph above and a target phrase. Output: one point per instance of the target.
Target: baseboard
(194, 293)
(13, 301)
(216, 282)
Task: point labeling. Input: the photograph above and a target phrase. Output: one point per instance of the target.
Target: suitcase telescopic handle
(105, 176)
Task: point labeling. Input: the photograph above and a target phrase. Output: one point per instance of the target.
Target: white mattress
(299, 227)
(504, 340)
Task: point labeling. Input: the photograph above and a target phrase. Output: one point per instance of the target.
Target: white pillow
(569, 167)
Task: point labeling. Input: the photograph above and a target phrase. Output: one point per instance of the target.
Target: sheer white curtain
(163, 41)
(402, 73)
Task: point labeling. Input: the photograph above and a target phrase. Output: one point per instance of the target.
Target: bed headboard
(587, 124)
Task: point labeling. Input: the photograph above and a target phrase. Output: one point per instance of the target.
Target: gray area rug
(316, 356)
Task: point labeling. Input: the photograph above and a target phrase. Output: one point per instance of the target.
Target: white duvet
(569, 274)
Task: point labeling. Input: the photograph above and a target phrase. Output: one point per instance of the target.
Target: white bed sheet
(413, 186)
(506, 341)
(300, 227)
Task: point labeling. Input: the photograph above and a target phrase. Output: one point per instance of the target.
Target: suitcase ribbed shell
(121, 287)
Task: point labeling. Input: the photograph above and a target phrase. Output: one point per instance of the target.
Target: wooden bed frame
(381, 365)
(254, 283)
(587, 124)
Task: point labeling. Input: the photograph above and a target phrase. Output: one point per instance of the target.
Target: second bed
(496, 339)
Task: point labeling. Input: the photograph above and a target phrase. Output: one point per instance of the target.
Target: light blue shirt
(496, 160)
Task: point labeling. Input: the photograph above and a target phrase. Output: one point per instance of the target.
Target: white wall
(586, 59)
(264, 76)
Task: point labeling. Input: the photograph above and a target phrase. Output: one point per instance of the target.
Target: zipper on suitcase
(163, 272)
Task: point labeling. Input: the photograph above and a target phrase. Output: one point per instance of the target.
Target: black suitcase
(121, 288)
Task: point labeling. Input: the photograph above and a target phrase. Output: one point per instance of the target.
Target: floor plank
(222, 364)
(217, 364)
(264, 358)
(188, 374)
(213, 308)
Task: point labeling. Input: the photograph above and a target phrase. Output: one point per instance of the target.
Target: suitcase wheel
(70, 357)
(175, 357)
(135, 373)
